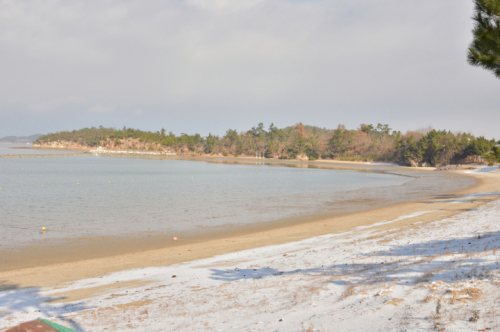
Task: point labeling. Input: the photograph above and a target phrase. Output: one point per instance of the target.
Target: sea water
(14, 149)
(109, 196)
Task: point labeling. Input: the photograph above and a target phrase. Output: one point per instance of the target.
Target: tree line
(380, 143)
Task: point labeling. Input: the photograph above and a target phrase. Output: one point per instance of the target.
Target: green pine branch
(484, 50)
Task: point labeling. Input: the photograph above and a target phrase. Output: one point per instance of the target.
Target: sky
(203, 66)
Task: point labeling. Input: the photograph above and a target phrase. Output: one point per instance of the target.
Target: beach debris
(174, 276)
(281, 319)
(453, 167)
(475, 316)
(40, 325)
(174, 238)
(383, 291)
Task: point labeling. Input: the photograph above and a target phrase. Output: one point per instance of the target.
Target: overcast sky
(209, 65)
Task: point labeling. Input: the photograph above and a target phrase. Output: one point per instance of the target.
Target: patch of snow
(484, 169)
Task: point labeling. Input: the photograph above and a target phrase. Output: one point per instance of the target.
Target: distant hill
(302, 142)
(20, 139)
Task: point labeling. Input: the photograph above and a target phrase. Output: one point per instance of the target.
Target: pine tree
(484, 50)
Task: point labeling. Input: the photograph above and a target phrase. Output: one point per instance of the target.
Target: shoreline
(50, 275)
(42, 155)
(205, 157)
(422, 186)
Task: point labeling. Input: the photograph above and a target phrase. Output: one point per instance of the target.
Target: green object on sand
(56, 326)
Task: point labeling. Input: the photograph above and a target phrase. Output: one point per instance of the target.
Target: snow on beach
(484, 169)
(442, 275)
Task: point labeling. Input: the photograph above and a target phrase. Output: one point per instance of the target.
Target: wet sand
(53, 265)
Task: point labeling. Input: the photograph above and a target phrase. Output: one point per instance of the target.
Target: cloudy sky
(208, 65)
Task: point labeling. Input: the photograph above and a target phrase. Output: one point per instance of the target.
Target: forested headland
(425, 147)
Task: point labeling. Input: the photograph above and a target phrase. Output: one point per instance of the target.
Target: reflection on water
(89, 196)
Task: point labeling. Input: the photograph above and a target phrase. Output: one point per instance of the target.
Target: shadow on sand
(15, 299)
(395, 264)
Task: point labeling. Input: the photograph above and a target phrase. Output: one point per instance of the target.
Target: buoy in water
(42, 185)
(78, 184)
(174, 239)
(43, 229)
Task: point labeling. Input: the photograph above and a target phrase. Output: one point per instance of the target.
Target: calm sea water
(105, 196)
(10, 149)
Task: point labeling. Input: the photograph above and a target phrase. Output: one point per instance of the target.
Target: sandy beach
(420, 183)
(267, 275)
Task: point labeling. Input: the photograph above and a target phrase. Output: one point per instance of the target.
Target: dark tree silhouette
(484, 50)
